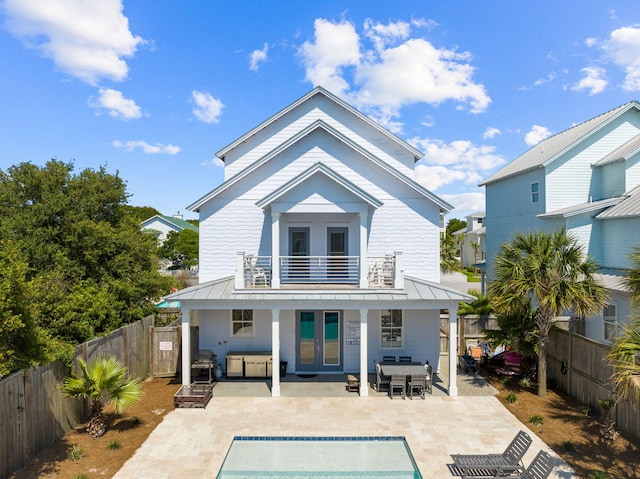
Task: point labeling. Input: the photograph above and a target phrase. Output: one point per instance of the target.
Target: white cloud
(459, 154)
(336, 46)
(469, 202)
(595, 80)
(257, 57)
(116, 104)
(623, 48)
(215, 161)
(396, 71)
(536, 135)
(590, 42)
(491, 132)
(208, 108)
(147, 148)
(434, 177)
(87, 40)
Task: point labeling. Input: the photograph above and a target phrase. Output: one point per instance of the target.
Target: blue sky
(154, 88)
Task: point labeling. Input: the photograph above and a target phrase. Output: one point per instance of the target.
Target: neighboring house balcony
(331, 271)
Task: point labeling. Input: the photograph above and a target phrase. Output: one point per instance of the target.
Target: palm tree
(550, 270)
(624, 355)
(104, 380)
(448, 250)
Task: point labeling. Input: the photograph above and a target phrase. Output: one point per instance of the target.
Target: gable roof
(319, 168)
(313, 127)
(582, 208)
(177, 223)
(553, 147)
(321, 91)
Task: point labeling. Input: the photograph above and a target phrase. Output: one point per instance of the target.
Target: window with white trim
(535, 192)
(391, 328)
(610, 320)
(242, 323)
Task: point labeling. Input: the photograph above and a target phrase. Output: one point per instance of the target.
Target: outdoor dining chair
(429, 380)
(417, 384)
(381, 380)
(388, 359)
(398, 382)
(405, 359)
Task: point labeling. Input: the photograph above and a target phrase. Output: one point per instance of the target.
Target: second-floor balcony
(291, 271)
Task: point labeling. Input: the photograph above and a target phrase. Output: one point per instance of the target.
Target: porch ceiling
(417, 294)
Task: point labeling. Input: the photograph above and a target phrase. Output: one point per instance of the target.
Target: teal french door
(318, 341)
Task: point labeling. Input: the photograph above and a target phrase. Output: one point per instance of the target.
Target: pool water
(330, 457)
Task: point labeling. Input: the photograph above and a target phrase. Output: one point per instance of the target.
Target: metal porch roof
(221, 294)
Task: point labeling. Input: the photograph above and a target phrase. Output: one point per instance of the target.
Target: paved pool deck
(193, 442)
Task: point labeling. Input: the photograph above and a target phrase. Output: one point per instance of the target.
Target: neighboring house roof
(321, 91)
(221, 294)
(461, 231)
(553, 147)
(319, 125)
(624, 152)
(176, 223)
(613, 280)
(628, 207)
(583, 208)
(477, 214)
(319, 168)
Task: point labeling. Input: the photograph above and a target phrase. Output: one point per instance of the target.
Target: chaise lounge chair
(483, 465)
(540, 468)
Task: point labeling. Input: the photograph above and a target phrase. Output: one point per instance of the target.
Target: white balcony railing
(257, 271)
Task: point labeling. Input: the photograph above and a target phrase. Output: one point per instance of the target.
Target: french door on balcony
(299, 254)
(318, 341)
(337, 251)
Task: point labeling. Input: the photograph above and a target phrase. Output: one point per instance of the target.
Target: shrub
(511, 398)
(599, 475)
(76, 452)
(80, 476)
(536, 420)
(584, 409)
(568, 446)
(525, 382)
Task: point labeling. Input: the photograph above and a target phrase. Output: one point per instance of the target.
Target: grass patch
(80, 476)
(599, 475)
(76, 452)
(511, 398)
(568, 446)
(113, 445)
(584, 409)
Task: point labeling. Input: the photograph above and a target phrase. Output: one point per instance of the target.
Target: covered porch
(281, 313)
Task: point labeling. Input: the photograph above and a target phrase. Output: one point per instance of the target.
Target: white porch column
(453, 355)
(398, 281)
(364, 251)
(186, 346)
(364, 358)
(275, 249)
(275, 353)
(239, 278)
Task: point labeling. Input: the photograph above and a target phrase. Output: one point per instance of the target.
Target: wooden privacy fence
(577, 365)
(33, 411)
(472, 328)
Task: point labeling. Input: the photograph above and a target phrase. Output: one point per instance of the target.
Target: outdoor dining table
(389, 369)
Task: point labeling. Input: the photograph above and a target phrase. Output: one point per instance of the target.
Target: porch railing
(320, 269)
(257, 271)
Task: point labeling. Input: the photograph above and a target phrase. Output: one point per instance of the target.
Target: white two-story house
(586, 180)
(319, 248)
(471, 240)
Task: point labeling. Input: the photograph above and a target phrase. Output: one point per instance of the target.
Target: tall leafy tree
(181, 248)
(550, 270)
(90, 266)
(21, 340)
(448, 249)
(103, 380)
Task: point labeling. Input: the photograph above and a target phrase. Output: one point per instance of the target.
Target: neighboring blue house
(586, 180)
(319, 249)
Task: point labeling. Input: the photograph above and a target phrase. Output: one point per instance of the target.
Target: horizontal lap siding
(346, 123)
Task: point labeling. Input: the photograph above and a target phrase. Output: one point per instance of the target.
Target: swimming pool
(331, 457)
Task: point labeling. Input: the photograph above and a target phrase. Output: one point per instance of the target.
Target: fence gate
(165, 351)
